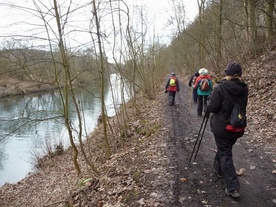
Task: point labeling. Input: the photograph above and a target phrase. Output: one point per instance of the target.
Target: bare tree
(67, 81)
(270, 29)
(102, 75)
(201, 8)
(252, 21)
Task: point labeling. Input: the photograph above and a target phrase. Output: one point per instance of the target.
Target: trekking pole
(199, 136)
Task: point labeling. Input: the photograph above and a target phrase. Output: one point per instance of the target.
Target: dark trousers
(201, 100)
(223, 163)
(172, 97)
(195, 95)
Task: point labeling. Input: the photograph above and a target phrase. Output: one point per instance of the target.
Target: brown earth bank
(151, 168)
(13, 87)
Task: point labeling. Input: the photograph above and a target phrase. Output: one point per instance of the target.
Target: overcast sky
(157, 12)
(160, 12)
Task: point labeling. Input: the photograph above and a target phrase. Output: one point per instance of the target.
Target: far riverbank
(13, 87)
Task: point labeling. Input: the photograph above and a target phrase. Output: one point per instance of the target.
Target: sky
(159, 14)
(162, 13)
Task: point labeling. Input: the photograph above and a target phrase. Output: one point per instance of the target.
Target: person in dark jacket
(172, 86)
(192, 84)
(220, 103)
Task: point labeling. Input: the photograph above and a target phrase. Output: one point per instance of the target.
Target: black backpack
(237, 119)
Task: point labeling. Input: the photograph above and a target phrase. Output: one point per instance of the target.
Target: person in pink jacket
(204, 88)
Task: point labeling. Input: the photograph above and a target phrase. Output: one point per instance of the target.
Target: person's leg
(174, 93)
(224, 147)
(195, 95)
(171, 97)
(199, 104)
(205, 102)
(216, 165)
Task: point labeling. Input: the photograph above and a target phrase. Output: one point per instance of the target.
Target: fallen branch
(55, 203)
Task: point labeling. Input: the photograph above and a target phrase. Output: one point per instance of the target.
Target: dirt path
(196, 185)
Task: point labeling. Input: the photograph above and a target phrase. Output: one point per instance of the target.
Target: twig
(58, 202)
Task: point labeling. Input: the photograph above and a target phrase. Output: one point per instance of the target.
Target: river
(25, 132)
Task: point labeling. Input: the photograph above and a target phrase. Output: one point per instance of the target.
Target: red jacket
(200, 78)
(168, 87)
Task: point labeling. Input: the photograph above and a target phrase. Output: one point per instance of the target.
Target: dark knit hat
(233, 69)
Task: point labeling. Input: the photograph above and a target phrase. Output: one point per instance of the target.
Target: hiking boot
(234, 193)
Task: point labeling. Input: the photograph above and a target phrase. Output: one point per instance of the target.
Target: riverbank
(56, 181)
(13, 87)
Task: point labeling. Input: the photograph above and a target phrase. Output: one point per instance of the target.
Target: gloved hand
(207, 113)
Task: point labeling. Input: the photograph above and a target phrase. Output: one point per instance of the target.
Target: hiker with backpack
(171, 87)
(192, 84)
(203, 86)
(228, 103)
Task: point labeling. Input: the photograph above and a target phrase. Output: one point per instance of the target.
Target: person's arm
(190, 81)
(197, 82)
(167, 84)
(215, 100)
(211, 84)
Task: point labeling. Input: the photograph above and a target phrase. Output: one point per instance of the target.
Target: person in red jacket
(203, 86)
(172, 86)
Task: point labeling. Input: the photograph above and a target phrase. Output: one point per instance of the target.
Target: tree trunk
(219, 35)
(201, 5)
(66, 93)
(102, 74)
(252, 22)
(270, 34)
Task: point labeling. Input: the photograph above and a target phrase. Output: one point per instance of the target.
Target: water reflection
(3, 154)
(28, 122)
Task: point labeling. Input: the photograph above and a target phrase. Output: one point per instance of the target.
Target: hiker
(220, 103)
(172, 86)
(203, 86)
(192, 84)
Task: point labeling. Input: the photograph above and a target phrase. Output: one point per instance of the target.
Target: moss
(137, 176)
(147, 129)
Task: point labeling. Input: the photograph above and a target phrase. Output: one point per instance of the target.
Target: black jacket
(221, 101)
(192, 78)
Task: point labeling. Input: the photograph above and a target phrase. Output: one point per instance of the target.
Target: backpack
(172, 82)
(204, 85)
(237, 120)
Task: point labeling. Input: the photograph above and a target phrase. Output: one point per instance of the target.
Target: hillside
(260, 74)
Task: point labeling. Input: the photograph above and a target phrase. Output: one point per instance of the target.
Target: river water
(25, 132)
